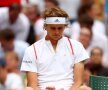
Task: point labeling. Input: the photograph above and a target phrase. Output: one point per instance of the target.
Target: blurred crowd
(22, 24)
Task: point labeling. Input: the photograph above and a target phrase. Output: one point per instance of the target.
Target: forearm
(37, 88)
(32, 80)
(78, 75)
(34, 87)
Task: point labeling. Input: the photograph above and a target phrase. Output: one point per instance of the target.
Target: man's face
(92, 11)
(85, 37)
(96, 56)
(11, 62)
(13, 15)
(7, 45)
(31, 12)
(55, 31)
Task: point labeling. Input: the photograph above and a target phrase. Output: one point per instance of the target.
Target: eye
(53, 28)
(60, 28)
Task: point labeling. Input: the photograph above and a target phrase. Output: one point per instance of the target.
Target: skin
(12, 62)
(78, 75)
(7, 45)
(13, 15)
(54, 33)
(87, 74)
(31, 12)
(96, 56)
(3, 75)
(85, 37)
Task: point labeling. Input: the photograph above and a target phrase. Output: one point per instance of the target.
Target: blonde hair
(55, 12)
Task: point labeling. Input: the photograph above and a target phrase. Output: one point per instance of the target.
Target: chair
(99, 83)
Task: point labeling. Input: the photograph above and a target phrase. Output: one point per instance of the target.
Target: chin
(56, 38)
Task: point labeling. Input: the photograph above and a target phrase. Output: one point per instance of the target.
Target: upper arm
(80, 54)
(32, 79)
(79, 72)
(29, 61)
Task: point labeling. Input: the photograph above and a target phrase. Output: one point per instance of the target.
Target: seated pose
(54, 62)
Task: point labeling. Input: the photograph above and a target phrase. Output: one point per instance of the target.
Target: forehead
(96, 50)
(85, 30)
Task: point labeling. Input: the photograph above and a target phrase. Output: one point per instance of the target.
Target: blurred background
(21, 24)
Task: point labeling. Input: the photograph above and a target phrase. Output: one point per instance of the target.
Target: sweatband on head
(56, 20)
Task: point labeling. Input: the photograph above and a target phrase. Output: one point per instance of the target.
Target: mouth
(56, 35)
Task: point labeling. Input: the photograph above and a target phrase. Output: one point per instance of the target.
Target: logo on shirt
(27, 61)
(57, 20)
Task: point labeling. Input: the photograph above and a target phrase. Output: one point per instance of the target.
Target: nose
(56, 31)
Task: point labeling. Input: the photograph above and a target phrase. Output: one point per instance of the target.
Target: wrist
(75, 86)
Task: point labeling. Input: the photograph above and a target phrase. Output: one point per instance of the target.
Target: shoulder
(3, 13)
(37, 45)
(13, 77)
(20, 44)
(75, 43)
(23, 18)
(41, 20)
(3, 10)
(39, 23)
(99, 23)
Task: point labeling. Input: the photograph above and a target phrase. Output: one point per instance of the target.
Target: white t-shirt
(39, 28)
(13, 81)
(20, 27)
(54, 68)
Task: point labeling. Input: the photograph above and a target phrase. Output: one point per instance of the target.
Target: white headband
(55, 20)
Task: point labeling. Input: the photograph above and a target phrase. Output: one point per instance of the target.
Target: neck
(53, 42)
(85, 46)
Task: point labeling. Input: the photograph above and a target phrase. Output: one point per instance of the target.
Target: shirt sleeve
(80, 53)
(29, 61)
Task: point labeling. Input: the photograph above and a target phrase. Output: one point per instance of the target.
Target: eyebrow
(57, 27)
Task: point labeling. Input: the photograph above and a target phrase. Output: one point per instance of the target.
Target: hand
(84, 88)
(50, 88)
